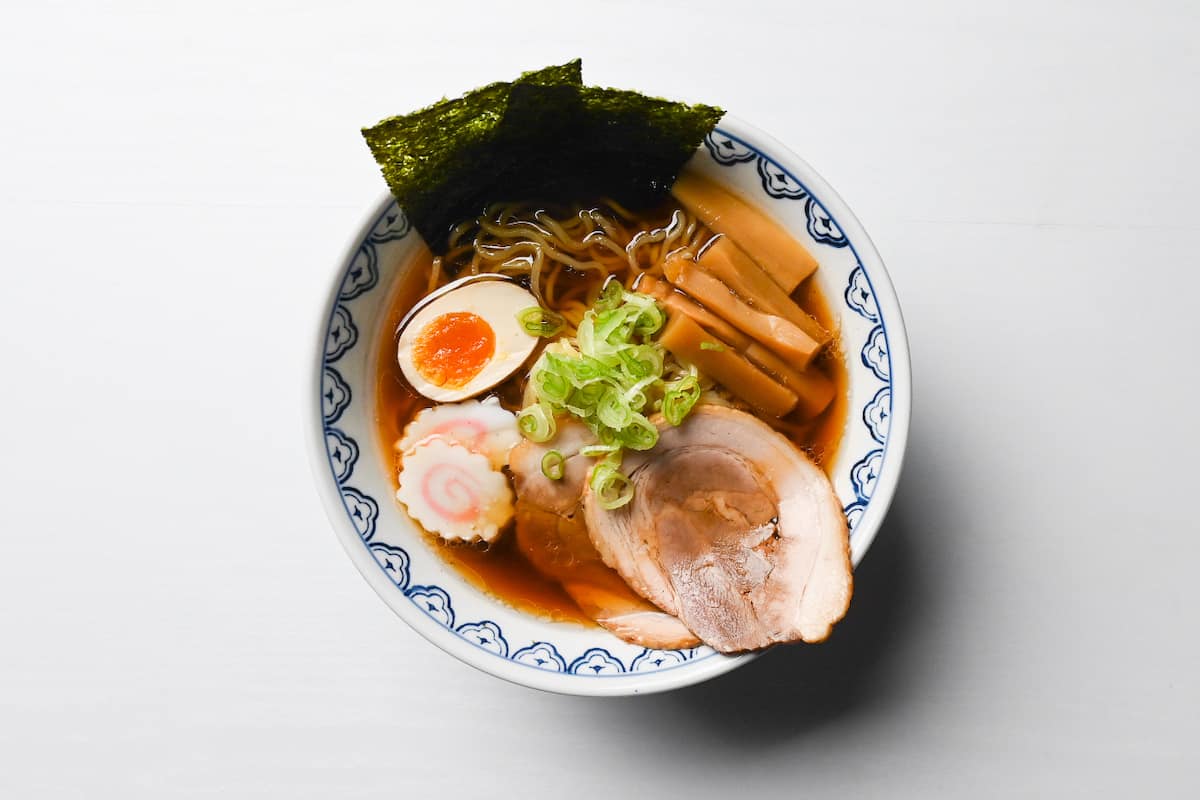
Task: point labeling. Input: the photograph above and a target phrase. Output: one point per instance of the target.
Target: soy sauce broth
(500, 569)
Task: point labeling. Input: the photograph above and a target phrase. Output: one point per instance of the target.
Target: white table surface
(176, 617)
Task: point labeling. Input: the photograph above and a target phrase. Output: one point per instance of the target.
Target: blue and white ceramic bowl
(430, 596)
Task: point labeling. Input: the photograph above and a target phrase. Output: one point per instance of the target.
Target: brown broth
(500, 569)
(821, 437)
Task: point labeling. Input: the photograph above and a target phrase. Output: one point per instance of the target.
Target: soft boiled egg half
(466, 338)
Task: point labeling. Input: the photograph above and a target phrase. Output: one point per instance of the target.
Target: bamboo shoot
(691, 343)
(763, 239)
(773, 332)
(665, 293)
(723, 259)
(812, 388)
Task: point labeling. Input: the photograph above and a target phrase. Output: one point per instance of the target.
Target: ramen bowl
(352, 467)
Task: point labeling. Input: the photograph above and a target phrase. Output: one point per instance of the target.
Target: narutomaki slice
(481, 427)
(454, 492)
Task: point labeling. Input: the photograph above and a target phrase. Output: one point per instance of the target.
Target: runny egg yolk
(453, 348)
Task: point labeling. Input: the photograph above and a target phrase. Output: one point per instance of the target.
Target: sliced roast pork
(552, 535)
(732, 530)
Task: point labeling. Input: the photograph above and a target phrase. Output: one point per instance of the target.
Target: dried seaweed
(543, 136)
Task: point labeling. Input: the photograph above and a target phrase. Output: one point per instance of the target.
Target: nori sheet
(544, 136)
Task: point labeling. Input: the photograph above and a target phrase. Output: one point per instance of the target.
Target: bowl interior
(352, 468)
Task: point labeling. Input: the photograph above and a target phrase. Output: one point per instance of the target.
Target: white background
(176, 618)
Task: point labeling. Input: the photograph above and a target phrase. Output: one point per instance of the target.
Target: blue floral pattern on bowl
(487, 635)
(424, 581)
(335, 395)
(393, 561)
(342, 335)
(343, 453)
(597, 661)
(434, 601)
(541, 655)
(777, 182)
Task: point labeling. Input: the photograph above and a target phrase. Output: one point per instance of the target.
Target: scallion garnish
(538, 321)
(553, 465)
(536, 423)
(612, 410)
(607, 377)
(679, 398)
(639, 434)
(611, 487)
(610, 296)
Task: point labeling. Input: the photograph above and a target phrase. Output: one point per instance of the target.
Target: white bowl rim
(690, 672)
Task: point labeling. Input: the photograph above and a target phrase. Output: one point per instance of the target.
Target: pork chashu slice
(731, 529)
(551, 534)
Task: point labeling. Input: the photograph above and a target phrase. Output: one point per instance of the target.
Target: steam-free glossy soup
(501, 569)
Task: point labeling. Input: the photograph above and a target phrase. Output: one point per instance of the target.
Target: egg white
(497, 303)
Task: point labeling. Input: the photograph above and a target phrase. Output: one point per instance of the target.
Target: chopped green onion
(638, 300)
(649, 321)
(611, 487)
(720, 348)
(610, 296)
(599, 449)
(550, 383)
(639, 434)
(585, 334)
(613, 411)
(609, 437)
(640, 361)
(679, 398)
(553, 465)
(587, 397)
(638, 391)
(607, 377)
(536, 423)
(586, 369)
(608, 325)
(538, 321)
